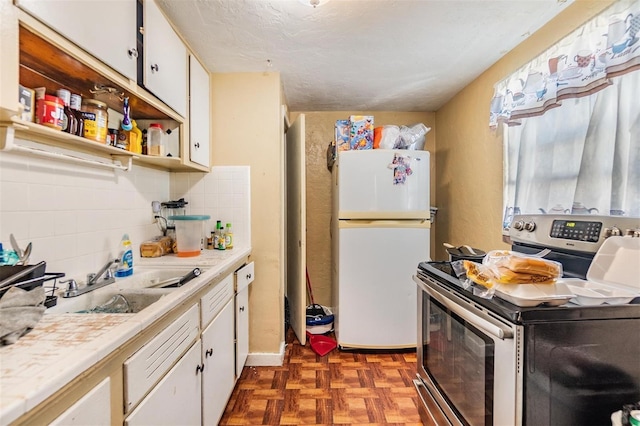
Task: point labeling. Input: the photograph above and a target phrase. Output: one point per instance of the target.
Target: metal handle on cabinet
(155, 67)
(199, 368)
(248, 276)
(133, 53)
(480, 320)
(241, 309)
(208, 352)
(197, 144)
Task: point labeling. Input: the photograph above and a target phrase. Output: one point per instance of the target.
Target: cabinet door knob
(208, 352)
(197, 144)
(155, 67)
(199, 368)
(241, 308)
(248, 276)
(133, 53)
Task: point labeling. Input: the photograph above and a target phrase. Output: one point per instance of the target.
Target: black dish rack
(29, 277)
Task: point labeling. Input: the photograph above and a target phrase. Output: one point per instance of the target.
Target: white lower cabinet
(176, 399)
(218, 359)
(244, 277)
(144, 368)
(93, 409)
(196, 389)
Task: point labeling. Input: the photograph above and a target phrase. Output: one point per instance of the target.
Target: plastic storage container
(155, 140)
(189, 233)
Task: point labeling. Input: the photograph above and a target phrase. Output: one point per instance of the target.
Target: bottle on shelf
(155, 140)
(69, 120)
(75, 105)
(228, 237)
(135, 138)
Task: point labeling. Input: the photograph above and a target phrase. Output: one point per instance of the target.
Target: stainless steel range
(489, 362)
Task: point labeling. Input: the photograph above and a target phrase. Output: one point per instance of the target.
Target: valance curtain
(580, 64)
(567, 161)
(572, 122)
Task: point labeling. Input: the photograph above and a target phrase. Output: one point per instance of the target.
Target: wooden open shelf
(54, 65)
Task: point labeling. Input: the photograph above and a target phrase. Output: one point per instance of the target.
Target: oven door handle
(478, 319)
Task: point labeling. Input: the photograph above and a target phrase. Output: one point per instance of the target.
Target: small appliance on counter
(167, 209)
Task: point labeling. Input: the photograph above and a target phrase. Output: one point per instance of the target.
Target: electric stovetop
(443, 274)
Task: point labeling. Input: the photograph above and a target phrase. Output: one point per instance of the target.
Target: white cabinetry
(165, 59)
(144, 368)
(244, 277)
(199, 113)
(85, 22)
(93, 409)
(218, 360)
(176, 399)
(218, 354)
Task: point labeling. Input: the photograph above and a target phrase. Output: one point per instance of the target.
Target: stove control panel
(576, 230)
(584, 233)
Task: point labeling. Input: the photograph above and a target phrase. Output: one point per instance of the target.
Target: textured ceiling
(375, 55)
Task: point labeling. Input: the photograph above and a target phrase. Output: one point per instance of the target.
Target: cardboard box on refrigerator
(361, 132)
(342, 135)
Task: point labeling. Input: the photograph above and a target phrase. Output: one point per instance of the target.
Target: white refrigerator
(380, 229)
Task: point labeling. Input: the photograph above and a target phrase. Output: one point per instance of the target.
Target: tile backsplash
(224, 194)
(75, 215)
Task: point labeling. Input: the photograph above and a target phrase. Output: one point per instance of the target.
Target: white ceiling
(371, 55)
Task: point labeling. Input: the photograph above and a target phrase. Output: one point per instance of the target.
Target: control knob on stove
(530, 226)
(635, 233)
(519, 225)
(614, 231)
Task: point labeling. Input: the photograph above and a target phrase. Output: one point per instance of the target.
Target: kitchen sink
(126, 295)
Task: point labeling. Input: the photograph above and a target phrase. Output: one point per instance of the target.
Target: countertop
(63, 345)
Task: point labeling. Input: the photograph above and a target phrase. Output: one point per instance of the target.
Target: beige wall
(469, 154)
(466, 169)
(246, 130)
(319, 133)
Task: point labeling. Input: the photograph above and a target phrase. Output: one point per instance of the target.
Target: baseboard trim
(266, 359)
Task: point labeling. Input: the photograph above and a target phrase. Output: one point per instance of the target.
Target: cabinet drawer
(213, 302)
(244, 277)
(144, 368)
(92, 409)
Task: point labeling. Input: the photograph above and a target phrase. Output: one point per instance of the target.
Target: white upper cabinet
(165, 59)
(199, 113)
(104, 28)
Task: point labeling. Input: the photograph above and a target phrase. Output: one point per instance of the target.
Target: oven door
(468, 360)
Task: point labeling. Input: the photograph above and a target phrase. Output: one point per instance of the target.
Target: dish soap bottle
(228, 237)
(135, 138)
(125, 266)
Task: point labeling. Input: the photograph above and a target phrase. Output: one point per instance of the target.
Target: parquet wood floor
(341, 388)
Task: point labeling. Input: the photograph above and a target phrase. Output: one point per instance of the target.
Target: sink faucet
(94, 281)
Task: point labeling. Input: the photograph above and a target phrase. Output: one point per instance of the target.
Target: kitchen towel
(20, 311)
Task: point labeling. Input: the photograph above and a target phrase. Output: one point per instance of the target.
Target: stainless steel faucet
(94, 281)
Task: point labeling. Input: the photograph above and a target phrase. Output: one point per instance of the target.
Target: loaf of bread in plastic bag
(518, 268)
